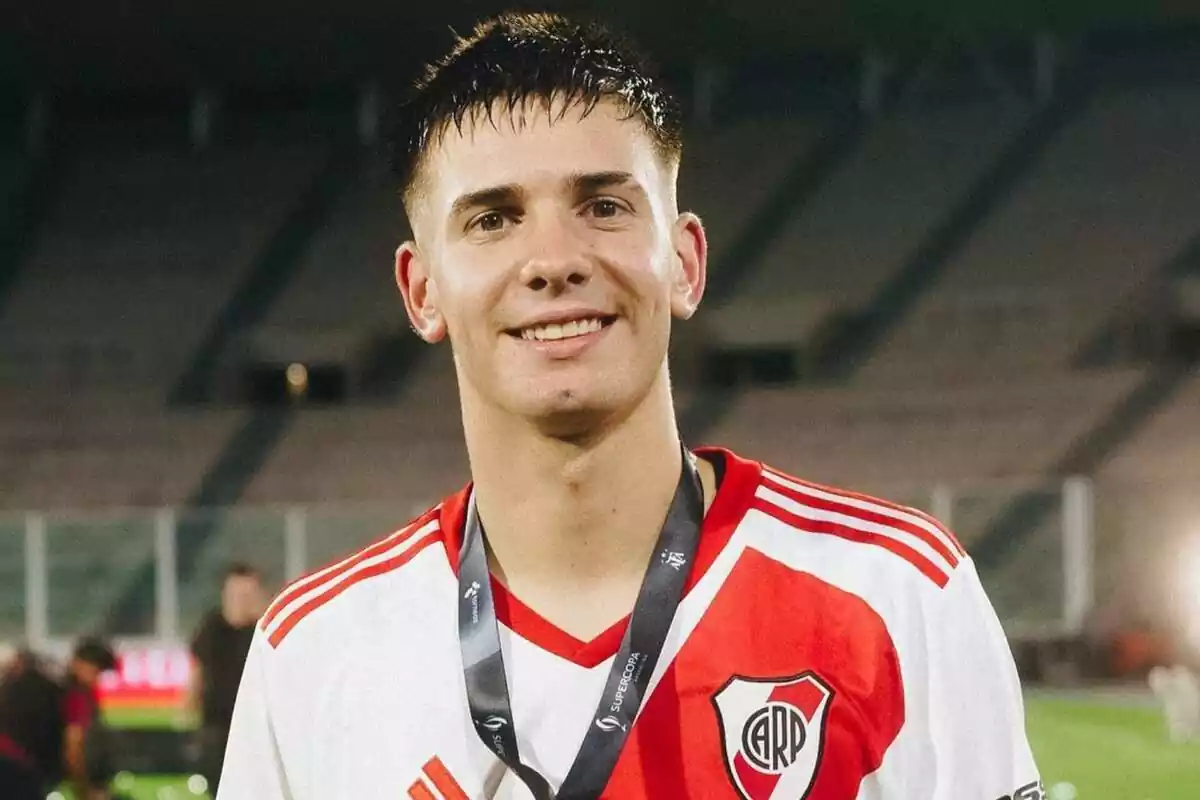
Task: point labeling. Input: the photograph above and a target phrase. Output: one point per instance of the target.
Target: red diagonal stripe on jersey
(303, 584)
(804, 695)
(419, 791)
(950, 537)
(866, 515)
(294, 618)
(927, 567)
(443, 781)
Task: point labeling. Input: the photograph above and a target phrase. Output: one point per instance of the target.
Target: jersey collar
(741, 478)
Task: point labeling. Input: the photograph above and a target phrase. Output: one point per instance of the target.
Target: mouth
(558, 331)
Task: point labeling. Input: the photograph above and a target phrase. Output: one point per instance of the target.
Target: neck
(577, 513)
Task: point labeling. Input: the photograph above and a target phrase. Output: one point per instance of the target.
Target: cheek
(646, 266)
(656, 280)
(466, 295)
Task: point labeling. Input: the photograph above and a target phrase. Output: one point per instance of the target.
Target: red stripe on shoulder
(865, 498)
(392, 564)
(927, 568)
(937, 544)
(334, 569)
(934, 521)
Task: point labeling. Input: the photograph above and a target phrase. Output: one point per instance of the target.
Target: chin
(575, 427)
(572, 404)
(570, 413)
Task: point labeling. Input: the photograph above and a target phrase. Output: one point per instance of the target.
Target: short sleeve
(253, 768)
(972, 698)
(78, 708)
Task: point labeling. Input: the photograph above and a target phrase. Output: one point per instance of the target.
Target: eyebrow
(507, 195)
(580, 183)
(591, 182)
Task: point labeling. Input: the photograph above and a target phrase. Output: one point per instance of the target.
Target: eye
(605, 208)
(489, 222)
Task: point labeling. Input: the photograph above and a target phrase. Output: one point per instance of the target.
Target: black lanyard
(483, 663)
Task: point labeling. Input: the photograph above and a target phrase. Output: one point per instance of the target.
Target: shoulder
(896, 538)
(904, 566)
(345, 583)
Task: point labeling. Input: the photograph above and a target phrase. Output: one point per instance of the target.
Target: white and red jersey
(829, 647)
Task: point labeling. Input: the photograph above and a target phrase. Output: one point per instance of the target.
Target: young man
(602, 613)
(219, 651)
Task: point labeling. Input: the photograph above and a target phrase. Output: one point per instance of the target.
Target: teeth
(567, 330)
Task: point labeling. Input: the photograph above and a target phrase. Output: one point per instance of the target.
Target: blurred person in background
(31, 728)
(49, 730)
(85, 754)
(220, 647)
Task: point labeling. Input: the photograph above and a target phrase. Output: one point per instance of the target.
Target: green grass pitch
(1086, 750)
(1109, 752)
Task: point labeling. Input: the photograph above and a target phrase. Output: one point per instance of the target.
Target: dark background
(147, 46)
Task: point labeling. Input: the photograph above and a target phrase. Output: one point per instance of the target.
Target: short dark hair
(512, 59)
(240, 569)
(95, 651)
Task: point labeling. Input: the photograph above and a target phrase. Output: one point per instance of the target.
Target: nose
(559, 260)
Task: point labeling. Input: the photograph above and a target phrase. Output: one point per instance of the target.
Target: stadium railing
(62, 571)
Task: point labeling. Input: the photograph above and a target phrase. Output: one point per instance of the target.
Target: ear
(691, 265)
(420, 293)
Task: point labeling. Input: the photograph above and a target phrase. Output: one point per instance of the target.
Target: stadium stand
(888, 439)
(344, 282)
(729, 172)
(64, 448)
(1167, 448)
(406, 454)
(910, 169)
(28, 179)
(343, 290)
(1103, 211)
(143, 244)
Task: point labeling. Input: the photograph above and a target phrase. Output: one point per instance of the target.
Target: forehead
(534, 145)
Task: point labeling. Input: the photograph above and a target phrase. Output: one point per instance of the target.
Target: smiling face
(550, 252)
